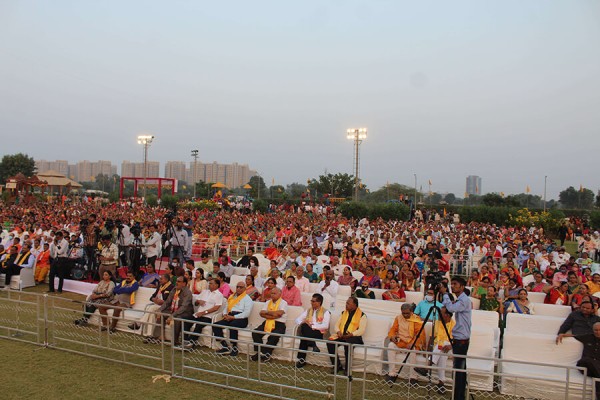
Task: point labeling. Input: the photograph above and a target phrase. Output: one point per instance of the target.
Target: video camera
(170, 216)
(136, 229)
(434, 278)
(109, 225)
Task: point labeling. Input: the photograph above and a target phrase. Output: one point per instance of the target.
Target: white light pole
(545, 182)
(146, 141)
(195, 156)
(415, 205)
(357, 135)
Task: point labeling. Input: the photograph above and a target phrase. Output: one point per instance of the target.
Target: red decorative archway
(149, 182)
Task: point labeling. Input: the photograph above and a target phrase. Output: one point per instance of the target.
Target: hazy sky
(507, 90)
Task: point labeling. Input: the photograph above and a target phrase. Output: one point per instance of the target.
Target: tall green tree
(573, 198)
(450, 198)
(12, 164)
(337, 185)
(295, 190)
(203, 189)
(391, 191)
(258, 184)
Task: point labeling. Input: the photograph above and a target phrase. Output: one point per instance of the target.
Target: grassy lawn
(53, 374)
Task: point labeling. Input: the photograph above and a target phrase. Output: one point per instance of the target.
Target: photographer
(461, 333)
(109, 229)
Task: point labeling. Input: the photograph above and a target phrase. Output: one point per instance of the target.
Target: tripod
(433, 310)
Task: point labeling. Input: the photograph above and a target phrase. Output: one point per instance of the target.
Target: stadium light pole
(146, 141)
(195, 156)
(357, 135)
(415, 205)
(545, 182)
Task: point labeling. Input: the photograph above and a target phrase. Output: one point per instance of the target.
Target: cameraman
(461, 333)
(109, 229)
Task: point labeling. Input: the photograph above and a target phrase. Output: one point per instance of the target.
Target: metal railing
(48, 321)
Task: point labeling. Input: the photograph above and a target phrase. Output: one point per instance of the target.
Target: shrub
(202, 204)
(260, 205)
(168, 201)
(386, 211)
(595, 219)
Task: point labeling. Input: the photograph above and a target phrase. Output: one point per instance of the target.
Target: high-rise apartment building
(176, 169)
(60, 166)
(82, 171)
(136, 169)
(473, 185)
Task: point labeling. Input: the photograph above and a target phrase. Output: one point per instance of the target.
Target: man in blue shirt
(461, 333)
(425, 305)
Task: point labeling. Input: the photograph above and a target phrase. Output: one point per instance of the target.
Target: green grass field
(37, 373)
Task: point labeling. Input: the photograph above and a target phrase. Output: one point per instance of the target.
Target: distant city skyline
(232, 175)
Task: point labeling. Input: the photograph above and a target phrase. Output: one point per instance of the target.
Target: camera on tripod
(109, 225)
(170, 215)
(434, 278)
(136, 230)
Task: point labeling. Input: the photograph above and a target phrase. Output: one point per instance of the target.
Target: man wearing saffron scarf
(313, 323)
(209, 302)
(235, 315)
(15, 262)
(403, 335)
(124, 298)
(274, 313)
(179, 305)
(350, 328)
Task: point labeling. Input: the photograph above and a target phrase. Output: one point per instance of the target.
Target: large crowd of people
(501, 266)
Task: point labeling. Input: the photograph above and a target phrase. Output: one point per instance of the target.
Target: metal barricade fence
(92, 338)
(276, 377)
(22, 317)
(486, 377)
(49, 321)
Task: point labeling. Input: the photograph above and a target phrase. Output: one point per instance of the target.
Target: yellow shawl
(233, 300)
(270, 323)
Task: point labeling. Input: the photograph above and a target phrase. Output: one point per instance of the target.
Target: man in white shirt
(235, 315)
(275, 313)
(152, 245)
(209, 303)
(205, 263)
(302, 283)
(329, 286)
(314, 323)
(59, 251)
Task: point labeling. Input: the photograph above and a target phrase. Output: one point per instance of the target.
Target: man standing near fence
(461, 333)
